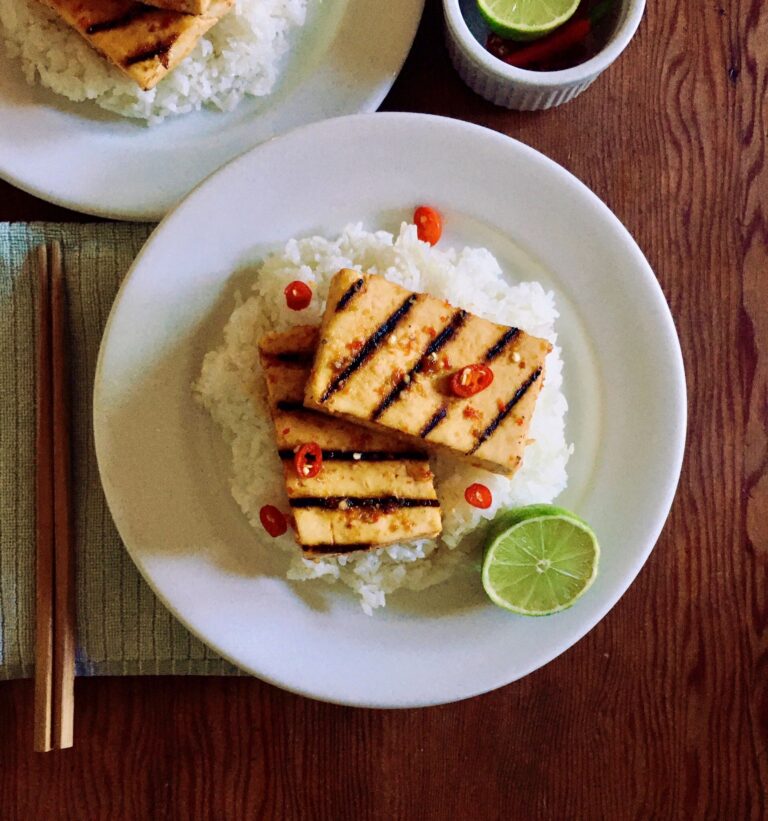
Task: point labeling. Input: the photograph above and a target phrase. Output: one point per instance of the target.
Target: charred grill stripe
(519, 394)
(442, 339)
(436, 419)
(497, 349)
(159, 52)
(365, 455)
(346, 297)
(323, 549)
(121, 21)
(383, 503)
(370, 346)
(289, 406)
(390, 398)
(292, 357)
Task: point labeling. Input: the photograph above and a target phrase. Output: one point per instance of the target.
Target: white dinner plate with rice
(299, 60)
(556, 261)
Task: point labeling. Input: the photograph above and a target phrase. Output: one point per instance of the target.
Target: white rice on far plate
(240, 55)
(231, 386)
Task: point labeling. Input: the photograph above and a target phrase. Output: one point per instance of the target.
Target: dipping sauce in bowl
(579, 39)
(535, 74)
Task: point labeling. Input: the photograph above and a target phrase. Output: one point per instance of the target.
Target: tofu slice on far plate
(145, 43)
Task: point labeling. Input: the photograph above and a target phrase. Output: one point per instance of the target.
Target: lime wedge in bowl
(526, 19)
(539, 560)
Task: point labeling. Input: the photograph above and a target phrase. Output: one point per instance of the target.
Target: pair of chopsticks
(55, 577)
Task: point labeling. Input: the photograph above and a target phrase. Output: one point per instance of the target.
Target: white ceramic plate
(343, 61)
(164, 465)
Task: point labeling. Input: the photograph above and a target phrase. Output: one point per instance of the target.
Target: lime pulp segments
(540, 560)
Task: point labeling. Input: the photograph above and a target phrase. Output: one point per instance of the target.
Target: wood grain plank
(752, 77)
(662, 710)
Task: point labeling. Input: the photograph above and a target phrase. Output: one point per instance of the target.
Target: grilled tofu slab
(386, 356)
(373, 489)
(143, 42)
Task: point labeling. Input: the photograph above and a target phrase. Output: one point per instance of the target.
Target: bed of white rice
(240, 55)
(231, 387)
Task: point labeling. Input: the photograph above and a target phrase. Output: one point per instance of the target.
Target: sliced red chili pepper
(471, 380)
(273, 521)
(308, 460)
(429, 224)
(298, 295)
(478, 495)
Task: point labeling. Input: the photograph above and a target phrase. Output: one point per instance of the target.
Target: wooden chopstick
(55, 630)
(44, 516)
(64, 601)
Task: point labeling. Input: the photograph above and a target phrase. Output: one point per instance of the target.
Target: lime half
(540, 560)
(526, 19)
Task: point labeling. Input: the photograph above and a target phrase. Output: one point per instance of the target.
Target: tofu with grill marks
(373, 489)
(145, 43)
(386, 357)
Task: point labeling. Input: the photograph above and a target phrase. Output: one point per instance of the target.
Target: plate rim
(679, 423)
(86, 205)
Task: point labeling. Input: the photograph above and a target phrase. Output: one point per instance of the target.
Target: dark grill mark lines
(348, 294)
(365, 455)
(160, 53)
(370, 346)
(386, 504)
(292, 357)
(119, 22)
(442, 339)
(519, 394)
(436, 419)
(289, 406)
(497, 349)
(323, 549)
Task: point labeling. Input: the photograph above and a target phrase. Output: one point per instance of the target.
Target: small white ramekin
(524, 90)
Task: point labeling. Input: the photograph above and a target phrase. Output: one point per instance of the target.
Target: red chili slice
(429, 224)
(273, 521)
(471, 380)
(308, 460)
(298, 295)
(478, 495)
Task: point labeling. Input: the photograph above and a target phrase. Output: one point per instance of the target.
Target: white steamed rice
(240, 55)
(232, 388)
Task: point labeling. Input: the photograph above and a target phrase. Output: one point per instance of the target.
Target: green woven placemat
(122, 628)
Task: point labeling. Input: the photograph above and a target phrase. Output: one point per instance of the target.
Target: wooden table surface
(662, 710)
